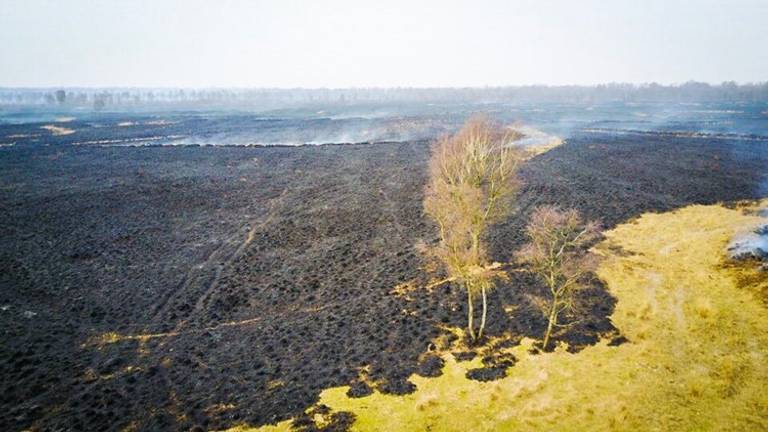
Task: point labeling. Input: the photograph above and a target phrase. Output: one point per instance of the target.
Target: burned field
(168, 288)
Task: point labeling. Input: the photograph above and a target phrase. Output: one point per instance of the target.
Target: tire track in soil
(189, 279)
(201, 302)
(199, 273)
(392, 211)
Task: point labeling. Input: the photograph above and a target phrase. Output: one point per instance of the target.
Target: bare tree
(557, 254)
(472, 178)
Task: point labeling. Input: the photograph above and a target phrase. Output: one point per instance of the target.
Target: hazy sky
(185, 43)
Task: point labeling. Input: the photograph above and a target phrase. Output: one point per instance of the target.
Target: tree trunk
(470, 315)
(482, 320)
(552, 319)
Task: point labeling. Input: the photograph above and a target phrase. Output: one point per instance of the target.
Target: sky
(385, 43)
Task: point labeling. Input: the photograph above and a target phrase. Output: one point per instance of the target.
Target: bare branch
(556, 253)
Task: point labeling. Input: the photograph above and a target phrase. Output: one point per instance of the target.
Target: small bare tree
(472, 178)
(557, 254)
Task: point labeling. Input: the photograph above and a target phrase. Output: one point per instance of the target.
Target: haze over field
(346, 43)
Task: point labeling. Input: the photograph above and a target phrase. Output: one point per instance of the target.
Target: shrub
(557, 253)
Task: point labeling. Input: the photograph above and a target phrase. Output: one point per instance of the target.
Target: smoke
(750, 245)
(337, 129)
(396, 120)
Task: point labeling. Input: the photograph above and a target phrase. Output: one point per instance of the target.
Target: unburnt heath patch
(168, 288)
(679, 373)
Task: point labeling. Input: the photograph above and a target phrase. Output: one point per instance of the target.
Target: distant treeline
(604, 93)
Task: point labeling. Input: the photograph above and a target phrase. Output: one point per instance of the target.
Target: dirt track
(266, 274)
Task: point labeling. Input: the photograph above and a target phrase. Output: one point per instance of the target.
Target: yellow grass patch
(22, 135)
(283, 426)
(219, 408)
(159, 122)
(697, 357)
(544, 142)
(404, 289)
(57, 130)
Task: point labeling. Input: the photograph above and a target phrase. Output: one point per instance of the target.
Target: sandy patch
(128, 141)
(57, 130)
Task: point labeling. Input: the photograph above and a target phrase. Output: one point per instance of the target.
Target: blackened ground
(267, 274)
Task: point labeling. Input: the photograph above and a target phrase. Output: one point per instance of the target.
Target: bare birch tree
(472, 180)
(557, 253)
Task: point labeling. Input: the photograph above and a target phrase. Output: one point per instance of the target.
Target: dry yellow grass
(697, 359)
(58, 130)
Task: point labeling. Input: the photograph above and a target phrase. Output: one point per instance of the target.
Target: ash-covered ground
(172, 287)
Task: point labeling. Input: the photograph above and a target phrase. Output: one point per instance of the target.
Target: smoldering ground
(168, 287)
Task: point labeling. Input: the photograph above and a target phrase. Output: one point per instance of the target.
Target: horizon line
(404, 87)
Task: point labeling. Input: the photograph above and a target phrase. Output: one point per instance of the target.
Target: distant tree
(472, 178)
(557, 253)
(61, 96)
(98, 103)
